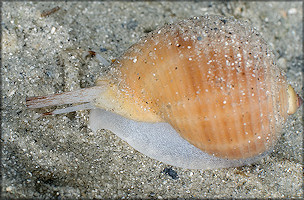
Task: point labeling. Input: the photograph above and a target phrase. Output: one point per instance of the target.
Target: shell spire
(294, 101)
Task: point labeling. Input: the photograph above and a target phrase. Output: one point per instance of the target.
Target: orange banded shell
(212, 78)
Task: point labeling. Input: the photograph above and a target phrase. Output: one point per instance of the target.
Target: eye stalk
(294, 101)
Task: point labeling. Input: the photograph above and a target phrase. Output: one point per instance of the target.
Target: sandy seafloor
(59, 157)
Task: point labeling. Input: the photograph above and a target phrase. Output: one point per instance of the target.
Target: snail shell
(201, 93)
(212, 79)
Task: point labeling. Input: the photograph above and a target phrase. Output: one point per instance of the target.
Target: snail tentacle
(79, 96)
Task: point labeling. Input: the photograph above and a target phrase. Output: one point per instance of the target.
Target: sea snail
(201, 93)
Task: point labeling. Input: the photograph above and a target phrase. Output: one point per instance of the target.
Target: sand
(59, 156)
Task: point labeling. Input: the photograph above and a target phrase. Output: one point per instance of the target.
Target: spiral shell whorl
(213, 79)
